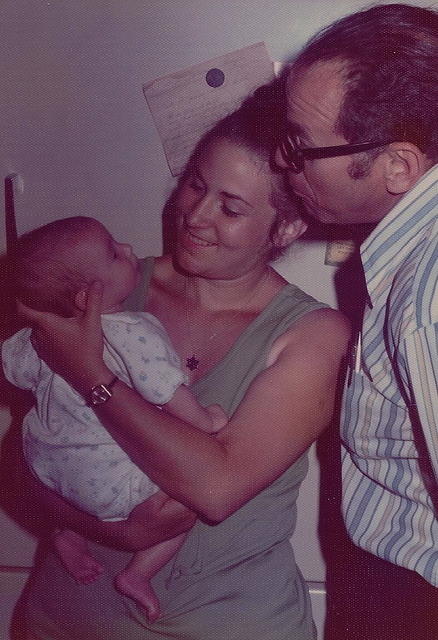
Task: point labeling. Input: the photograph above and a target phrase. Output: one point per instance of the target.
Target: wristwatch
(101, 393)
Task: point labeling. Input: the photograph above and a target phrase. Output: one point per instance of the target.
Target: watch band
(101, 393)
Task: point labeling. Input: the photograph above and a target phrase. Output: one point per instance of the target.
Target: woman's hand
(72, 347)
(157, 517)
(153, 521)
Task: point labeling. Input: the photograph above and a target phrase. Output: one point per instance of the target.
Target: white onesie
(65, 444)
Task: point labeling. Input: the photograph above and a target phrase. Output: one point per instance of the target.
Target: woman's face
(224, 214)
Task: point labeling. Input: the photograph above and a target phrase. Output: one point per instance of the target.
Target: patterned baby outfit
(65, 444)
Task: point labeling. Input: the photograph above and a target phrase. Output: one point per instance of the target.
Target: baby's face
(113, 263)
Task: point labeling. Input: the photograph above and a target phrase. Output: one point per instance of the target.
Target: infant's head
(53, 266)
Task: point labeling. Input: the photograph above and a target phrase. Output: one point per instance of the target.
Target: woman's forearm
(41, 509)
(285, 408)
(160, 444)
(161, 522)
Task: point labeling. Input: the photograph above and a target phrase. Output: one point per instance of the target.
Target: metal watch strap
(100, 393)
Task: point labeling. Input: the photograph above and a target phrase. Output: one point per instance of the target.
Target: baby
(64, 443)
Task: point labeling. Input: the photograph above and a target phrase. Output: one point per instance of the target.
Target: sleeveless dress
(236, 580)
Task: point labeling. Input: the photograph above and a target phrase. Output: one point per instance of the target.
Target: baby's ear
(81, 299)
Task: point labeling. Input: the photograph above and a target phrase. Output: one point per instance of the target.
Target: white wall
(77, 129)
(75, 124)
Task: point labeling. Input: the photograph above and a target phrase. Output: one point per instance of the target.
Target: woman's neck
(223, 294)
(205, 316)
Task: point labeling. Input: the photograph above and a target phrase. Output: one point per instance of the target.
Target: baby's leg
(73, 551)
(134, 580)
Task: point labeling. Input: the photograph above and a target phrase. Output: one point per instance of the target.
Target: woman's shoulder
(153, 274)
(330, 320)
(289, 304)
(160, 261)
(320, 333)
(322, 327)
(162, 269)
(301, 319)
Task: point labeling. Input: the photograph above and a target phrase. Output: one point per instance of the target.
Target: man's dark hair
(389, 55)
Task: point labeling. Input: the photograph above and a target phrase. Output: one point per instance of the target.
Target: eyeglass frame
(289, 148)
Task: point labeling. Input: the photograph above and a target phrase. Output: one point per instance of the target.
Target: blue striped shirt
(389, 425)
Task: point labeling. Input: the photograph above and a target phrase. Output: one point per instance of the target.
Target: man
(362, 147)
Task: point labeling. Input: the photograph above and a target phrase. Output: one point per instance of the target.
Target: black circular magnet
(215, 78)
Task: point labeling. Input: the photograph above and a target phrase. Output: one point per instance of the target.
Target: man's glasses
(294, 155)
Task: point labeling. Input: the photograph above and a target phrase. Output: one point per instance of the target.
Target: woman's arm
(41, 509)
(161, 521)
(285, 409)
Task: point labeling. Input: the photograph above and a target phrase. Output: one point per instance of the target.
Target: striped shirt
(389, 425)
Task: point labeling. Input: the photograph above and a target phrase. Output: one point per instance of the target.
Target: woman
(261, 348)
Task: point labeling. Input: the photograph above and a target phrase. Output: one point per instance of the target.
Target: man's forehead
(314, 95)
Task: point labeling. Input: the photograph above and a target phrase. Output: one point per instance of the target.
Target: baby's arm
(184, 405)
(154, 370)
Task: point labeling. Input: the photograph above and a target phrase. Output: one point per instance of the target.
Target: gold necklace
(193, 361)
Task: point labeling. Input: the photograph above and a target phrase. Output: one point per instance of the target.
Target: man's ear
(288, 231)
(81, 299)
(404, 166)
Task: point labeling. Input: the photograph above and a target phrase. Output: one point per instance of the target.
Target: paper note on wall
(186, 103)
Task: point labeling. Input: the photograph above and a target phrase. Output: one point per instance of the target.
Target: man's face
(327, 190)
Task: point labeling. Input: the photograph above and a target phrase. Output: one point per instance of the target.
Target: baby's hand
(218, 417)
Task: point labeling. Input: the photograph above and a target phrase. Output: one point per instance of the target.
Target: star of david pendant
(192, 363)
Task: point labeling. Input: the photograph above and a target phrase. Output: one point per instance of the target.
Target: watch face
(100, 394)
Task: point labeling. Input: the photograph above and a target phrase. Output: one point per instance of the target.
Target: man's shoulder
(415, 282)
(426, 278)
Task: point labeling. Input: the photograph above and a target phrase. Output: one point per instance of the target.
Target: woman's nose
(200, 212)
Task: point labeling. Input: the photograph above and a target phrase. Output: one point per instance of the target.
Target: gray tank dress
(236, 580)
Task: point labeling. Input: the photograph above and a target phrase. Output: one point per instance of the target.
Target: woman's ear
(288, 231)
(404, 166)
(81, 299)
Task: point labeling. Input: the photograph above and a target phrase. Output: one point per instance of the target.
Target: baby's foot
(75, 556)
(137, 586)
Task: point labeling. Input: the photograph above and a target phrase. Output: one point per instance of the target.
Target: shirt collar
(394, 237)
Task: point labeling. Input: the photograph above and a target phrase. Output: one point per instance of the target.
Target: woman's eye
(232, 213)
(195, 185)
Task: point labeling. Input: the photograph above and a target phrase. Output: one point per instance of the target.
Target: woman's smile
(198, 240)
(192, 242)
